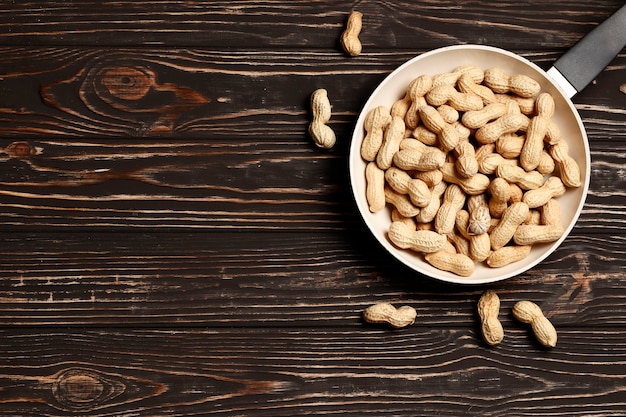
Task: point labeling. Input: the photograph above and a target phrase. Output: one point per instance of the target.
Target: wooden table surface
(173, 244)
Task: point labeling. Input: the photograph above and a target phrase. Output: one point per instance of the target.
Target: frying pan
(569, 75)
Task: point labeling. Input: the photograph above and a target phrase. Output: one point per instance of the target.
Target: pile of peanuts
(471, 164)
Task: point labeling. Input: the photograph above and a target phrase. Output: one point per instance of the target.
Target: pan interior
(446, 60)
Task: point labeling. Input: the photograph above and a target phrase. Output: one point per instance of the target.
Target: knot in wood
(85, 389)
(128, 83)
(20, 149)
(78, 387)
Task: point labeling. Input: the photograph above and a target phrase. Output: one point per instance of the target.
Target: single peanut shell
(426, 160)
(530, 313)
(512, 217)
(375, 187)
(551, 213)
(374, 124)
(401, 202)
(386, 313)
(457, 263)
(322, 134)
(488, 310)
(476, 119)
(424, 241)
(350, 37)
(480, 247)
(391, 143)
(530, 234)
(552, 188)
(507, 255)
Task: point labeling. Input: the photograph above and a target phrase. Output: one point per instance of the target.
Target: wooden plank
(227, 168)
(200, 94)
(278, 185)
(302, 25)
(83, 92)
(277, 279)
(286, 372)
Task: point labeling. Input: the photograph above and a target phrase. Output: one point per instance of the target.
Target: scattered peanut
(375, 122)
(456, 263)
(551, 213)
(488, 310)
(453, 201)
(476, 119)
(466, 164)
(517, 175)
(391, 143)
(500, 82)
(417, 89)
(553, 187)
(476, 184)
(530, 313)
(375, 187)
(479, 217)
(536, 132)
(350, 36)
(509, 123)
(530, 234)
(507, 255)
(413, 159)
(448, 94)
(448, 136)
(401, 202)
(424, 241)
(512, 217)
(386, 313)
(569, 169)
(321, 133)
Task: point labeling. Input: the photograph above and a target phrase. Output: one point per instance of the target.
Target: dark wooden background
(173, 244)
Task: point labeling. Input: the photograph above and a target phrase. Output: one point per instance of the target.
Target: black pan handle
(585, 60)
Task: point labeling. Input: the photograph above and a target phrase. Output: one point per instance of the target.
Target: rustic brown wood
(172, 243)
(150, 279)
(285, 372)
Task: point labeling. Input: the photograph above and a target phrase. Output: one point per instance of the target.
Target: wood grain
(173, 244)
(87, 157)
(307, 371)
(229, 279)
(280, 185)
(315, 24)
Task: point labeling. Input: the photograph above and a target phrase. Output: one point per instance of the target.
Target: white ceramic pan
(569, 75)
